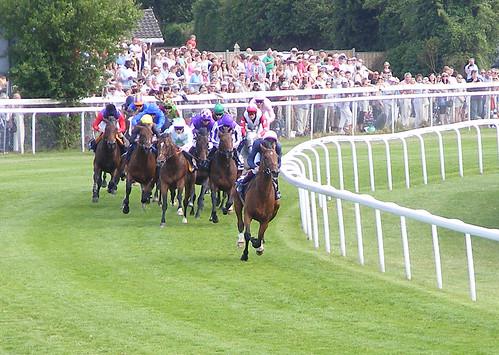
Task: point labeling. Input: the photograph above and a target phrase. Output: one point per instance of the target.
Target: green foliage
(58, 132)
(170, 11)
(424, 35)
(59, 47)
(353, 24)
(176, 34)
(208, 25)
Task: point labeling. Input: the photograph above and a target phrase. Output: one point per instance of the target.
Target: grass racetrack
(78, 277)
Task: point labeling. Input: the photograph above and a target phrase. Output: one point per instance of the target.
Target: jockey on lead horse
(269, 140)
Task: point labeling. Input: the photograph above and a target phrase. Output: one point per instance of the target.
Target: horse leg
(247, 238)
(260, 241)
(97, 185)
(214, 217)
(146, 193)
(238, 207)
(192, 200)
(112, 187)
(126, 207)
(104, 182)
(164, 206)
(201, 200)
(228, 204)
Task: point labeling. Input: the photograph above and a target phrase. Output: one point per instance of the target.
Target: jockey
(269, 140)
(254, 120)
(99, 125)
(170, 110)
(146, 120)
(218, 111)
(203, 119)
(265, 105)
(226, 122)
(149, 109)
(183, 138)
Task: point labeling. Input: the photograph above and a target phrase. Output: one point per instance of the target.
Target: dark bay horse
(200, 152)
(223, 173)
(259, 202)
(107, 160)
(141, 168)
(174, 173)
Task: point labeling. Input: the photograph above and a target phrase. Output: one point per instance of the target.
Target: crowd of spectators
(167, 73)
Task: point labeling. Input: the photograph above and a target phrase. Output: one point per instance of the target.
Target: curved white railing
(302, 168)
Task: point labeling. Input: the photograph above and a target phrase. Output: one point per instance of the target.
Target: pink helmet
(252, 108)
(270, 135)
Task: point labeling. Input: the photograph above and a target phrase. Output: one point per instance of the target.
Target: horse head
(202, 146)
(166, 149)
(145, 138)
(269, 161)
(226, 146)
(110, 132)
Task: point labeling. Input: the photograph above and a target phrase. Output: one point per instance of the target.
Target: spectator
(191, 42)
(469, 68)
(269, 63)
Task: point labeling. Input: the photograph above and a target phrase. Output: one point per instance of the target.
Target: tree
(60, 48)
(170, 11)
(349, 24)
(424, 35)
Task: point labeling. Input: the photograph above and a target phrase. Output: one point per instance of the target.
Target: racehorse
(141, 168)
(223, 173)
(259, 202)
(200, 153)
(107, 160)
(175, 172)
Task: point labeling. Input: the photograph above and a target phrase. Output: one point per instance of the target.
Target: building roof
(148, 30)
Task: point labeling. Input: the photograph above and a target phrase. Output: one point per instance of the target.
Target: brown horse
(174, 173)
(259, 202)
(107, 160)
(223, 173)
(200, 152)
(141, 168)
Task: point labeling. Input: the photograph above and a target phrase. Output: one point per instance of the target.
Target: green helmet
(219, 109)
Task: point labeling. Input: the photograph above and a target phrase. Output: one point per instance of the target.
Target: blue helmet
(227, 121)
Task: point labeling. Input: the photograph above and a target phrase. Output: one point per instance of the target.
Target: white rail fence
(302, 168)
(321, 106)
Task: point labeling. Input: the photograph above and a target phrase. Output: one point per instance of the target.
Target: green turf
(78, 277)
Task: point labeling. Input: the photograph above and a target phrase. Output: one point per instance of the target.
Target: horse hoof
(104, 184)
(162, 225)
(244, 257)
(95, 199)
(126, 209)
(214, 219)
(184, 220)
(180, 212)
(259, 251)
(224, 211)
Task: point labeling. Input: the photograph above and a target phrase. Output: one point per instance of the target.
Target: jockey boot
(243, 181)
(92, 145)
(191, 159)
(237, 159)
(129, 152)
